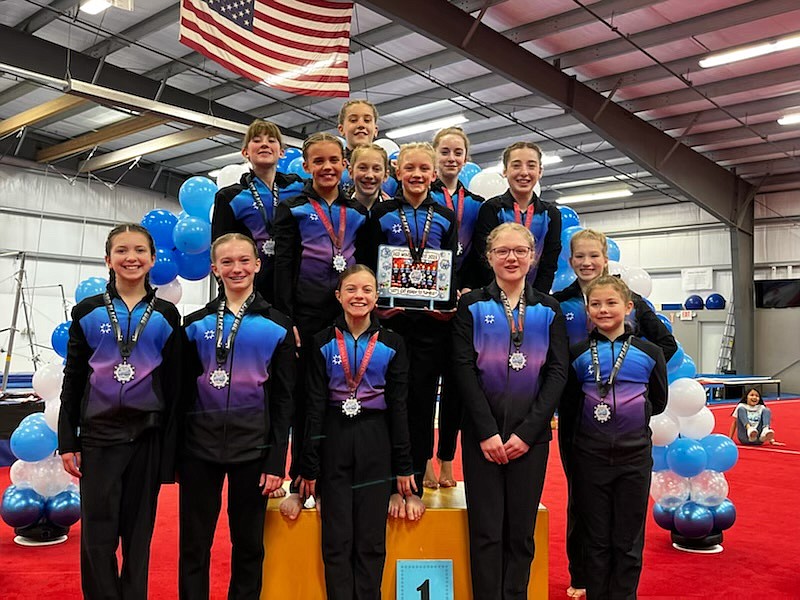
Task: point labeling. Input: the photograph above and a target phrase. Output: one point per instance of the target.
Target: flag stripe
(299, 46)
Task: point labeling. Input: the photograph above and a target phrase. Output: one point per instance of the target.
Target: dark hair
(352, 270)
(521, 146)
(609, 281)
(126, 228)
(747, 393)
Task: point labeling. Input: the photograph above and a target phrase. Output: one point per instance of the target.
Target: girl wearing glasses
(511, 359)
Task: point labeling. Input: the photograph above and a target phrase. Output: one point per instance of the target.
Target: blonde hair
(589, 235)
(349, 103)
(610, 281)
(457, 131)
(260, 127)
(414, 146)
(359, 150)
(232, 237)
(520, 146)
(509, 227)
(319, 138)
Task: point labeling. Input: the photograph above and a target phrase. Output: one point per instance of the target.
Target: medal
(339, 262)
(219, 378)
(351, 407)
(602, 412)
(124, 372)
(517, 360)
(268, 247)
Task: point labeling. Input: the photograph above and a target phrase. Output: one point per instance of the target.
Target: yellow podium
(293, 564)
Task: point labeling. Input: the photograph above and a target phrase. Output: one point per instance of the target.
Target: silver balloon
(710, 488)
(669, 489)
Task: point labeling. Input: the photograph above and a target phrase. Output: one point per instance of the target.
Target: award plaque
(401, 280)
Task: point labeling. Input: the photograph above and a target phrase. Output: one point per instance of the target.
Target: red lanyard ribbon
(528, 215)
(338, 241)
(448, 199)
(353, 382)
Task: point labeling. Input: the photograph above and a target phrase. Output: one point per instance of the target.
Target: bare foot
(397, 507)
(446, 478)
(279, 493)
(414, 508)
(429, 479)
(291, 506)
(774, 442)
(576, 592)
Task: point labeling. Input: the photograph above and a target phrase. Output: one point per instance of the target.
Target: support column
(742, 267)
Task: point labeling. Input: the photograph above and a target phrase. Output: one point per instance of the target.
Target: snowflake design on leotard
(336, 360)
(569, 316)
(313, 217)
(209, 334)
(396, 228)
(488, 319)
(105, 328)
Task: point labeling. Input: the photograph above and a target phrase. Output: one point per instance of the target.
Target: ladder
(725, 358)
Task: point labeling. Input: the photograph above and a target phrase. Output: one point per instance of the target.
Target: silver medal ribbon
(124, 372)
(517, 359)
(220, 378)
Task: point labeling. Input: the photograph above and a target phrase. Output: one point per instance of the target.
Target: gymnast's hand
(515, 447)
(306, 487)
(269, 483)
(493, 450)
(406, 485)
(72, 463)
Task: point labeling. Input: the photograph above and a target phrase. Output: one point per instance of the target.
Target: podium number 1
(425, 590)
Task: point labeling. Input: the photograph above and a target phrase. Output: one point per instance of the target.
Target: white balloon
(617, 268)
(51, 410)
(686, 397)
(638, 280)
(488, 184)
(388, 145)
(231, 174)
(669, 489)
(49, 477)
(698, 425)
(709, 488)
(665, 428)
(171, 292)
(21, 473)
(47, 381)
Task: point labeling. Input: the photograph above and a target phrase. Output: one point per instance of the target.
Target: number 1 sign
(424, 580)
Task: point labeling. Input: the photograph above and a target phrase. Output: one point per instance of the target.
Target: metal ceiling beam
(124, 155)
(736, 134)
(742, 110)
(598, 173)
(769, 167)
(715, 21)
(202, 156)
(153, 23)
(47, 15)
(757, 150)
(709, 185)
(39, 113)
(99, 137)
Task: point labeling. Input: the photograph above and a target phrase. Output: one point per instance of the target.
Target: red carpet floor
(758, 560)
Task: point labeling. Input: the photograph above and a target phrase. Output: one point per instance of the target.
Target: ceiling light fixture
(94, 7)
(723, 58)
(550, 159)
(792, 119)
(402, 132)
(606, 195)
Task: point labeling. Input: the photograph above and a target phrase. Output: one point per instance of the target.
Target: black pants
(355, 484)
(610, 497)
(119, 490)
(502, 504)
(451, 410)
(576, 542)
(427, 341)
(200, 502)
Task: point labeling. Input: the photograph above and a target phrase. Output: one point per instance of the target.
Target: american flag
(298, 46)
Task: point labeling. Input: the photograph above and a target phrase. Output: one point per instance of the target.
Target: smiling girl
(369, 168)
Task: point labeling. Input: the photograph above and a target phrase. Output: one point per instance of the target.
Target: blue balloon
(60, 337)
(289, 154)
(694, 302)
(566, 236)
(346, 178)
(32, 419)
(394, 155)
(563, 279)
(63, 509)
(664, 517)
(296, 167)
(21, 507)
(677, 360)
(165, 268)
(160, 224)
(390, 186)
(569, 218)
(468, 171)
(660, 458)
(649, 303)
(192, 235)
(693, 520)
(90, 287)
(715, 302)
(687, 368)
(724, 515)
(193, 267)
(613, 249)
(686, 457)
(665, 320)
(197, 196)
(722, 453)
(33, 441)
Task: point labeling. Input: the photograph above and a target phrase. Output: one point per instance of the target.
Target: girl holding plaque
(511, 358)
(316, 236)
(616, 383)
(413, 221)
(356, 437)
(522, 168)
(240, 376)
(116, 429)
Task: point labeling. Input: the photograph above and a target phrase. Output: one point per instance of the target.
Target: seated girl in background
(752, 421)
